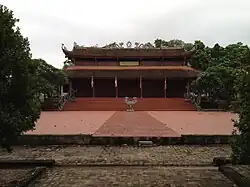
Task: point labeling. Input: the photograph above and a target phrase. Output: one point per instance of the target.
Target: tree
(173, 43)
(201, 60)
(237, 55)
(20, 106)
(241, 145)
(217, 83)
(49, 78)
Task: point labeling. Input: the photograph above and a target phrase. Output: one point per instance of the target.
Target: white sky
(48, 23)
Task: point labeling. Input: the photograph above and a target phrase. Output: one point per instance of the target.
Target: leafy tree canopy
(48, 77)
(20, 106)
(241, 145)
(217, 83)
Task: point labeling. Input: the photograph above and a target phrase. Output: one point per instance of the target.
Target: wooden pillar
(141, 89)
(61, 90)
(165, 87)
(93, 86)
(188, 87)
(116, 87)
(70, 88)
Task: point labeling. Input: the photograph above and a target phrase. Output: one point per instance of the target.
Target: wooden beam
(165, 87)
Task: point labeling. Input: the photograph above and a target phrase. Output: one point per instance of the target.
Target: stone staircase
(118, 104)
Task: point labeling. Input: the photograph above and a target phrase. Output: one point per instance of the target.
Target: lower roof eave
(132, 74)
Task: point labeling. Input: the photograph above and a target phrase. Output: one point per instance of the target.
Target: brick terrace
(135, 124)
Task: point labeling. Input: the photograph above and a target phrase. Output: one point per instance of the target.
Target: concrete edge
(234, 176)
(137, 165)
(4, 164)
(81, 139)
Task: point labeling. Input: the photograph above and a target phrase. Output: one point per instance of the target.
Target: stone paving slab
(132, 176)
(13, 176)
(172, 155)
(243, 170)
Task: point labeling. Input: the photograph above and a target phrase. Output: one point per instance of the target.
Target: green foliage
(173, 43)
(67, 63)
(48, 77)
(20, 106)
(241, 145)
(217, 83)
(201, 60)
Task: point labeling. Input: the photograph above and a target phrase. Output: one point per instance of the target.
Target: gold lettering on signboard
(129, 63)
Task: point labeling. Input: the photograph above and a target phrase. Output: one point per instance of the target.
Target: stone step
(118, 104)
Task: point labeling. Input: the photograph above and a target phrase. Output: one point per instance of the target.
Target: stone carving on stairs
(130, 103)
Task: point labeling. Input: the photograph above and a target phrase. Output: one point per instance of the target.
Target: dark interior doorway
(176, 87)
(153, 88)
(129, 88)
(104, 87)
(82, 87)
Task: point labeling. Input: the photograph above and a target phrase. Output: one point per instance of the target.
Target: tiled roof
(93, 52)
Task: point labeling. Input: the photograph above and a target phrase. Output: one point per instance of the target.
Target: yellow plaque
(129, 63)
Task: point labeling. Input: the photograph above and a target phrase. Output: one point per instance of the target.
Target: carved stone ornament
(64, 47)
(129, 44)
(130, 104)
(76, 46)
(137, 44)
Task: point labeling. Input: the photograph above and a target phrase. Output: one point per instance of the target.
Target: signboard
(129, 63)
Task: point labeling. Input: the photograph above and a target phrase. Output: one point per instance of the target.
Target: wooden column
(70, 88)
(141, 86)
(92, 86)
(165, 87)
(116, 87)
(61, 90)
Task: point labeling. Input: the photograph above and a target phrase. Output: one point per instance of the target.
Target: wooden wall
(142, 63)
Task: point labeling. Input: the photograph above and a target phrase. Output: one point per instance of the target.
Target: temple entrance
(153, 88)
(129, 88)
(82, 87)
(176, 87)
(104, 87)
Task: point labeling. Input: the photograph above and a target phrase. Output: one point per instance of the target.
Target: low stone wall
(95, 140)
(54, 139)
(206, 139)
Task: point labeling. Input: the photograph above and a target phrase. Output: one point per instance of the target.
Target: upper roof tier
(129, 52)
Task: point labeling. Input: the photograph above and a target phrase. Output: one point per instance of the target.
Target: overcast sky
(48, 23)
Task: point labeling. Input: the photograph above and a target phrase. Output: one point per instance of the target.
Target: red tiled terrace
(135, 124)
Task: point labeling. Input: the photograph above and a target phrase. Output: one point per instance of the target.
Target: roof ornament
(148, 46)
(113, 45)
(121, 45)
(129, 44)
(76, 46)
(141, 46)
(137, 44)
(64, 47)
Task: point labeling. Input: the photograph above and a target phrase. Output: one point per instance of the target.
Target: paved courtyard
(75, 155)
(133, 176)
(186, 165)
(151, 123)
